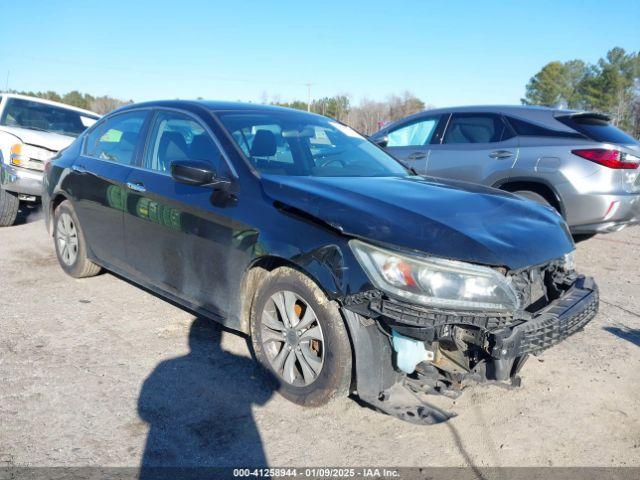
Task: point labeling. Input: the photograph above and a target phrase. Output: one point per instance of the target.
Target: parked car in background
(330, 254)
(32, 130)
(576, 162)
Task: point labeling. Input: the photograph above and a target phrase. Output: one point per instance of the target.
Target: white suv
(32, 130)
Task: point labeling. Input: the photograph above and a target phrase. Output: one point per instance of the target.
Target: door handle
(416, 155)
(78, 168)
(136, 186)
(501, 154)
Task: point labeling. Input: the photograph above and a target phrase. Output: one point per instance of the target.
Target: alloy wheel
(292, 338)
(67, 238)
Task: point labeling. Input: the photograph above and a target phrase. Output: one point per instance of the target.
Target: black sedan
(350, 273)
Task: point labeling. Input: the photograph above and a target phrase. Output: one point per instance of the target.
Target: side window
(176, 136)
(116, 138)
(417, 133)
(527, 129)
(475, 128)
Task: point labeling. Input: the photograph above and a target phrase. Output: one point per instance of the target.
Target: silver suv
(576, 162)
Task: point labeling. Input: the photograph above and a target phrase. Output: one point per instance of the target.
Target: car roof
(498, 108)
(514, 109)
(535, 113)
(49, 102)
(215, 106)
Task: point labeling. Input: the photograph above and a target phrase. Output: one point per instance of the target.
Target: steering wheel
(327, 161)
(332, 160)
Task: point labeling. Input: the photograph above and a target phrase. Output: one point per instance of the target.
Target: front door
(476, 147)
(97, 183)
(410, 142)
(178, 237)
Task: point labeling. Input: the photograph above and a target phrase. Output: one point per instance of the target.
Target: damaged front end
(406, 350)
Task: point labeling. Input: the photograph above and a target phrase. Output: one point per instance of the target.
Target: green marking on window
(111, 135)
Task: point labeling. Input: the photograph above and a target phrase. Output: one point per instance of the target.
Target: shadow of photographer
(198, 407)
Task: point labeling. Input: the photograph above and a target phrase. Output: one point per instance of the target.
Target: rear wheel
(9, 205)
(581, 237)
(536, 197)
(298, 335)
(71, 247)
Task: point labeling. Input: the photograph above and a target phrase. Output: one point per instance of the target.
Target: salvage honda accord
(350, 273)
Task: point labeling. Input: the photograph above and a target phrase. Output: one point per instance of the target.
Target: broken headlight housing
(569, 262)
(435, 281)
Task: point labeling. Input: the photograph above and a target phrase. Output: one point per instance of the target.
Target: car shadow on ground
(630, 334)
(198, 407)
(28, 212)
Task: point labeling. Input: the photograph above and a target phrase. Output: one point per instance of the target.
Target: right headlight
(435, 281)
(17, 156)
(22, 153)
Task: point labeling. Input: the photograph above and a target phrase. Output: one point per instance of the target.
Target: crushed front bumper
(552, 324)
(21, 180)
(504, 341)
(560, 319)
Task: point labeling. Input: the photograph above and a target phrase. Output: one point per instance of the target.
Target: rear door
(410, 142)
(179, 237)
(476, 147)
(97, 182)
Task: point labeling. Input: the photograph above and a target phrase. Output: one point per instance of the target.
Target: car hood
(48, 140)
(455, 220)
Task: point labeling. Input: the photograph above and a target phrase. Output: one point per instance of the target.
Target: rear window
(598, 129)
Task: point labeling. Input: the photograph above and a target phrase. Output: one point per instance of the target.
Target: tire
(66, 228)
(9, 205)
(533, 196)
(581, 237)
(329, 345)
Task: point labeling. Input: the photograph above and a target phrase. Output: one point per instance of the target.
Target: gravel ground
(99, 372)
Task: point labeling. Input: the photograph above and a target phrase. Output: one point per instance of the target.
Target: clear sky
(446, 52)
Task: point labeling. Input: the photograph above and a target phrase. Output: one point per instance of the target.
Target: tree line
(102, 105)
(367, 116)
(611, 86)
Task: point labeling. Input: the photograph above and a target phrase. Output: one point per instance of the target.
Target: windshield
(44, 117)
(296, 143)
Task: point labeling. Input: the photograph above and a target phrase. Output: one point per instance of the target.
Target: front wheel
(9, 205)
(299, 336)
(71, 247)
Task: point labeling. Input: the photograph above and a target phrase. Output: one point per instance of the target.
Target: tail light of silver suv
(609, 158)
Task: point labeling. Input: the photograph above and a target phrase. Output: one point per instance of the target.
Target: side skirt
(167, 296)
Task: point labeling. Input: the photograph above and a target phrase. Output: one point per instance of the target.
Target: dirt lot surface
(99, 372)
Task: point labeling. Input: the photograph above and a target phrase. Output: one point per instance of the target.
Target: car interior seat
(203, 148)
(172, 147)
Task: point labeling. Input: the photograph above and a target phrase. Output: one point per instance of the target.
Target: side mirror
(196, 172)
(381, 141)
